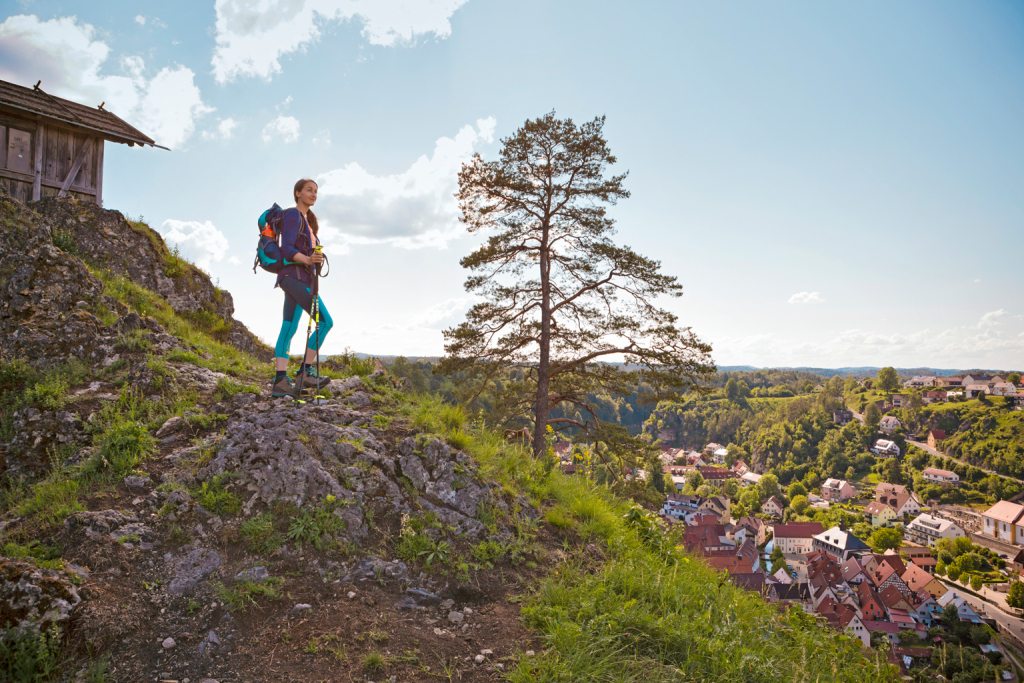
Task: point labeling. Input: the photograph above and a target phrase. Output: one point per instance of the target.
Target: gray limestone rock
(256, 574)
(33, 598)
(188, 570)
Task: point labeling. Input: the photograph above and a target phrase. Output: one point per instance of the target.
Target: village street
(988, 610)
(931, 451)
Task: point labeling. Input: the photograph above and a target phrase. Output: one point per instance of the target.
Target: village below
(164, 517)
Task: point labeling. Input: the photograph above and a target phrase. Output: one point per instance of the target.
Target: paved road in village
(987, 609)
(928, 449)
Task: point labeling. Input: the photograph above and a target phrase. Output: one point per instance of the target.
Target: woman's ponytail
(311, 219)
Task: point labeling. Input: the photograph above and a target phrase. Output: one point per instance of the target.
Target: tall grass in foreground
(649, 612)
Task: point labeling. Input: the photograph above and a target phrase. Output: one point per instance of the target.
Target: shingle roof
(36, 101)
(875, 508)
(935, 471)
(916, 578)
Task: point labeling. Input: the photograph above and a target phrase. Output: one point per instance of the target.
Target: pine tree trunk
(541, 408)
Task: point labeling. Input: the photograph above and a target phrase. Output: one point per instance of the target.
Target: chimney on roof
(36, 86)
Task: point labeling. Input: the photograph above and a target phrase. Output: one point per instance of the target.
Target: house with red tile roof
(880, 514)
(892, 598)
(903, 619)
(918, 579)
(853, 572)
(890, 630)
(820, 563)
(1004, 521)
(934, 475)
(925, 563)
(871, 606)
(749, 527)
(935, 437)
(773, 506)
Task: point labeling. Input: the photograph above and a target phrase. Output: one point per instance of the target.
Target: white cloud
(977, 279)
(412, 209)
(444, 314)
(252, 35)
(140, 20)
(65, 55)
(991, 318)
(284, 105)
(286, 127)
(201, 243)
(234, 261)
(806, 298)
(225, 129)
(322, 139)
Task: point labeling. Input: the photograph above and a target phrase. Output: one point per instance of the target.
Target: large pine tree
(558, 297)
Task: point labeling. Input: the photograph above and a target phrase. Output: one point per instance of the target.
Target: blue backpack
(268, 251)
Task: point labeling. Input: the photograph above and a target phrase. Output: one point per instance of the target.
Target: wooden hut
(52, 146)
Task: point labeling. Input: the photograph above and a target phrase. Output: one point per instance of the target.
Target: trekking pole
(316, 307)
(313, 313)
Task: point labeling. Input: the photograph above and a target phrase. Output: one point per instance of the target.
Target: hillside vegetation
(162, 517)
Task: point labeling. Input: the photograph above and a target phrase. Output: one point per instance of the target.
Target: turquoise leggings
(297, 298)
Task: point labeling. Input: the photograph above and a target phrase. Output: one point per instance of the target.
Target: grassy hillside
(158, 542)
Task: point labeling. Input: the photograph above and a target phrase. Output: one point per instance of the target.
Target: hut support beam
(99, 171)
(75, 167)
(37, 167)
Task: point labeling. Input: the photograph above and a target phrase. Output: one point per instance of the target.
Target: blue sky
(832, 184)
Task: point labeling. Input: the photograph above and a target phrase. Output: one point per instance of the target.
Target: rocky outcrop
(106, 239)
(46, 291)
(45, 294)
(39, 432)
(34, 598)
(301, 454)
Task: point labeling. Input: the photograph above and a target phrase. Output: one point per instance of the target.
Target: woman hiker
(298, 239)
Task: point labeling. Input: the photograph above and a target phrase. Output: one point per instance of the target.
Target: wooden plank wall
(59, 147)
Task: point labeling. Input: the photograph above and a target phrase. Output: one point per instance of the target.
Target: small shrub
(214, 497)
(97, 671)
(44, 556)
(27, 657)
(259, 533)
(65, 240)
(178, 535)
(438, 552)
(52, 501)
(244, 593)
(381, 422)
(134, 341)
(49, 394)
(459, 440)
(488, 552)
(317, 526)
(120, 448)
(374, 661)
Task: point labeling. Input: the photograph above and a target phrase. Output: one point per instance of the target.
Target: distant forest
(628, 411)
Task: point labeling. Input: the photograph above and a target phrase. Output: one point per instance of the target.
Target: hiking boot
(312, 380)
(284, 387)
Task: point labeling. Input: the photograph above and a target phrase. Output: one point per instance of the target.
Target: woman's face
(307, 195)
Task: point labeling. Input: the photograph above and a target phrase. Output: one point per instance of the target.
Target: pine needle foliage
(559, 298)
